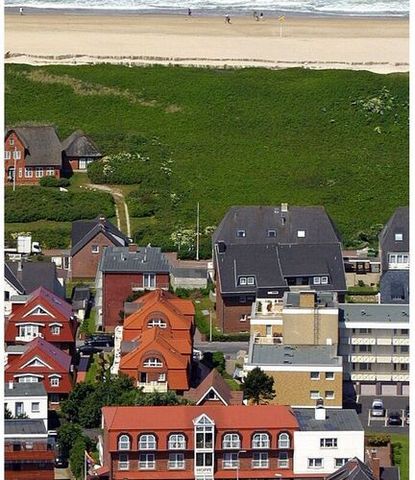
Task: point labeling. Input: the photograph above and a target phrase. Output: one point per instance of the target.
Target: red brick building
(27, 454)
(123, 271)
(42, 362)
(198, 442)
(43, 315)
(89, 239)
(31, 153)
(79, 151)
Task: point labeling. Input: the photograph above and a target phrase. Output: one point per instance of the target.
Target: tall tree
(258, 386)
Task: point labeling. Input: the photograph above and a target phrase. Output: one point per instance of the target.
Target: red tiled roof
(62, 358)
(181, 417)
(216, 381)
(57, 302)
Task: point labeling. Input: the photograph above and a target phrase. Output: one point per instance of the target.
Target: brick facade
(25, 175)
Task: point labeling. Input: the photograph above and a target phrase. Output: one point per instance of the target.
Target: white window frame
(162, 377)
(340, 462)
(147, 441)
(123, 461)
(330, 375)
(328, 442)
(315, 394)
(55, 329)
(28, 172)
(11, 141)
(314, 377)
(398, 237)
(260, 460)
(242, 281)
(156, 322)
(324, 280)
(28, 331)
(153, 362)
(124, 442)
(283, 460)
(94, 248)
(35, 407)
(20, 170)
(300, 233)
(331, 396)
(39, 172)
(29, 379)
(149, 280)
(260, 440)
(7, 155)
(17, 155)
(50, 171)
(231, 441)
(177, 441)
(176, 461)
(315, 463)
(250, 280)
(55, 381)
(147, 461)
(230, 460)
(283, 440)
(316, 280)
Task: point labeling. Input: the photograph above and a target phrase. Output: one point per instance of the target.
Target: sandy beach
(375, 44)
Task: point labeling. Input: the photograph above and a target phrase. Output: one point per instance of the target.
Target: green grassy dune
(249, 136)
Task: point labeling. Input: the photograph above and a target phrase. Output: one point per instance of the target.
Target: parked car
(89, 349)
(395, 419)
(377, 410)
(61, 462)
(100, 340)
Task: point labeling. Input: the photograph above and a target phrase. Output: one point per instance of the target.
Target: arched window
(153, 362)
(123, 442)
(260, 440)
(177, 441)
(147, 441)
(283, 440)
(156, 322)
(231, 440)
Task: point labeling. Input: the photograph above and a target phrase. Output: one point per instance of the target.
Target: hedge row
(30, 204)
(48, 237)
(54, 182)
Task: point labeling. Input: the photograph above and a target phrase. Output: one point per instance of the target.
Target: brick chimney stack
(374, 463)
(132, 247)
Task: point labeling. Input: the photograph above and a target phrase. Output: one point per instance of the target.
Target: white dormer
(300, 233)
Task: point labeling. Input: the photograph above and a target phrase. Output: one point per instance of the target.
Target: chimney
(132, 247)
(375, 463)
(320, 410)
(11, 386)
(101, 220)
(221, 247)
(19, 266)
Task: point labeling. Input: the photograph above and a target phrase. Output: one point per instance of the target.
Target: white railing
(149, 387)
(268, 340)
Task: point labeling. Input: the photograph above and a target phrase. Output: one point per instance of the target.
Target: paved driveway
(379, 424)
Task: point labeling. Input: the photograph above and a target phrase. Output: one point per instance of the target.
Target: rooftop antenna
(197, 231)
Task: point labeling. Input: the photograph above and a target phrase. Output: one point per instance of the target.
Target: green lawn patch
(49, 234)
(225, 137)
(400, 449)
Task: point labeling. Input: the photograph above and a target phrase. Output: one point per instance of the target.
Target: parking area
(380, 424)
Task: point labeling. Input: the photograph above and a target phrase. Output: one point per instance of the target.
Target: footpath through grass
(249, 136)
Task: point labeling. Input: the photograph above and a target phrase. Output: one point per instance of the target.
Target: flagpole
(85, 465)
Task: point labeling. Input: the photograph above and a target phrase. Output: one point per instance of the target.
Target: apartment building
(374, 343)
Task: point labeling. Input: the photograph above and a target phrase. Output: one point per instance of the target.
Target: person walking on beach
(256, 16)
(261, 16)
(227, 19)
(21, 10)
(189, 12)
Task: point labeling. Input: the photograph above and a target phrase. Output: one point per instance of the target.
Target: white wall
(27, 406)
(12, 292)
(307, 445)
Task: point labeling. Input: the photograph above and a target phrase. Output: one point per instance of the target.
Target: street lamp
(237, 463)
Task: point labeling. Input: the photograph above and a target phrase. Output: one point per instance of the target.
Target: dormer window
(241, 233)
(156, 322)
(55, 329)
(272, 233)
(153, 362)
(242, 280)
(324, 280)
(11, 141)
(250, 280)
(301, 233)
(398, 237)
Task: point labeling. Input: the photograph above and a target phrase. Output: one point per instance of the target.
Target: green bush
(54, 182)
(378, 439)
(58, 236)
(143, 203)
(30, 204)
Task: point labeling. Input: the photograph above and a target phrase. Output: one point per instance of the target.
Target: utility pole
(210, 325)
(197, 232)
(15, 168)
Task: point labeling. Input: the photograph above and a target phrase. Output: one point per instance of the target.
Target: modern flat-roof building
(374, 343)
(27, 454)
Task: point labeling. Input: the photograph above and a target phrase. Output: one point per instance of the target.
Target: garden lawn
(248, 136)
(401, 455)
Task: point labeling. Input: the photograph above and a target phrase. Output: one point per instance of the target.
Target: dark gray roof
(83, 231)
(257, 220)
(394, 287)
(80, 297)
(36, 274)
(25, 390)
(336, 420)
(318, 355)
(80, 145)
(389, 473)
(314, 260)
(260, 261)
(397, 224)
(41, 143)
(366, 312)
(16, 348)
(12, 279)
(24, 427)
(273, 259)
(354, 469)
(145, 259)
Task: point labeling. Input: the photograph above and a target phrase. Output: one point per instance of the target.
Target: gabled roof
(257, 220)
(83, 231)
(175, 309)
(50, 298)
(214, 382)
(33, 275)
(394, 287)
(13, 280)
(41, 143)
(145, 259)
(397, 224)
(354, 469)
(80, 145)
(158, 342)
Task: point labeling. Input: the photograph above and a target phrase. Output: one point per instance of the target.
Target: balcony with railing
(268, 340)
(155, 386)
(267, 309)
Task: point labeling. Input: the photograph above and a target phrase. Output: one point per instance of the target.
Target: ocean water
(313, 7)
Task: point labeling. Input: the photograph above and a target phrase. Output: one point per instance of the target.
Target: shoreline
(378, 45)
